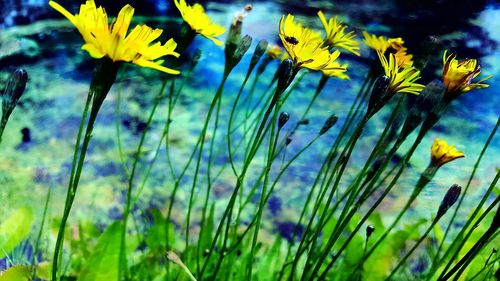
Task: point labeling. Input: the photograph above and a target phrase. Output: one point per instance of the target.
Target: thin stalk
(39, 237)
(476, 165)
(123, 258)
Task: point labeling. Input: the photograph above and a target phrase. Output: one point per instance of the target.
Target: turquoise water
(59, 77)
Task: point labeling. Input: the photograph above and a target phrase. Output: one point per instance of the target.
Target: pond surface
(49, 49)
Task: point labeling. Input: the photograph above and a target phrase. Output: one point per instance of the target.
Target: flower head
(389, 45)
(442, 153)
(336, 37)
(402, 80)
(305, 47)
(199, 21)
(458, 75)
(103, 40)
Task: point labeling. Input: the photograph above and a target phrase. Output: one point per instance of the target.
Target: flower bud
(379, 92)
(369, 230)
(329, 123)
(285, 74)
(304, 121)
(15, 87)
(288, 140)
(429, 98)
(283, 118)
(449, 199)
(258, 53)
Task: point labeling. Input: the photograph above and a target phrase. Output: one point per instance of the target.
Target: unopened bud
(304, 121)
(15, 87)
(449, 199)
(369, 231)
(329, 123)
(259, 52)
(285, 74)
(378, 92)
(283, 118)
(288, 140)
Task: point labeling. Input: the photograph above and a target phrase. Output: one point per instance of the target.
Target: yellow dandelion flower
(402, 79)
(339, 71)
(458, 75)
(274, 51)
(336, 37)
(389, 45)
(442, 153)
(103, 40)
(305, 47)
(199, 21)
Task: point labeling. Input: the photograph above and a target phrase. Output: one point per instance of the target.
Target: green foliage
(104, 259)
(15, 229)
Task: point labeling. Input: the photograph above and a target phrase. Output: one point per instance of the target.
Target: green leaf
(104, 261)
(15, 229)
(15, 273)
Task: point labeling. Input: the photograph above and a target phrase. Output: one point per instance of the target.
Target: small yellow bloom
(274, 51)
(402, 79)
(458, 75)
(389, 45)
(442, 153)
(336, 37)
(305, 46)
(103, 40)
(199, 21)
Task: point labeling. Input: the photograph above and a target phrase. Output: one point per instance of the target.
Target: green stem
(123, 257)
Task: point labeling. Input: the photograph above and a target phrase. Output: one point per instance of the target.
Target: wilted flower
(199, 21)
(112, 41)
(442, 153)
(458, 75)
(305, 47)
(402, 79)
(449, 199)
(336, 37)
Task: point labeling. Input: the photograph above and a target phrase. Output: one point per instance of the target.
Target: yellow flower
(305, 47)
(402, 79)
(336, 36)
(199, 22)
(458, 75)
(339, 71)
(103, 40)
(442, 153)
(274, 51)
(389, 45)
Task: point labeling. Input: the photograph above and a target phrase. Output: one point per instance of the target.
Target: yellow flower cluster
(199, 21)
(458, 75)
(442, 153)
(305, 47)
(112, 41)
(336, 37)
